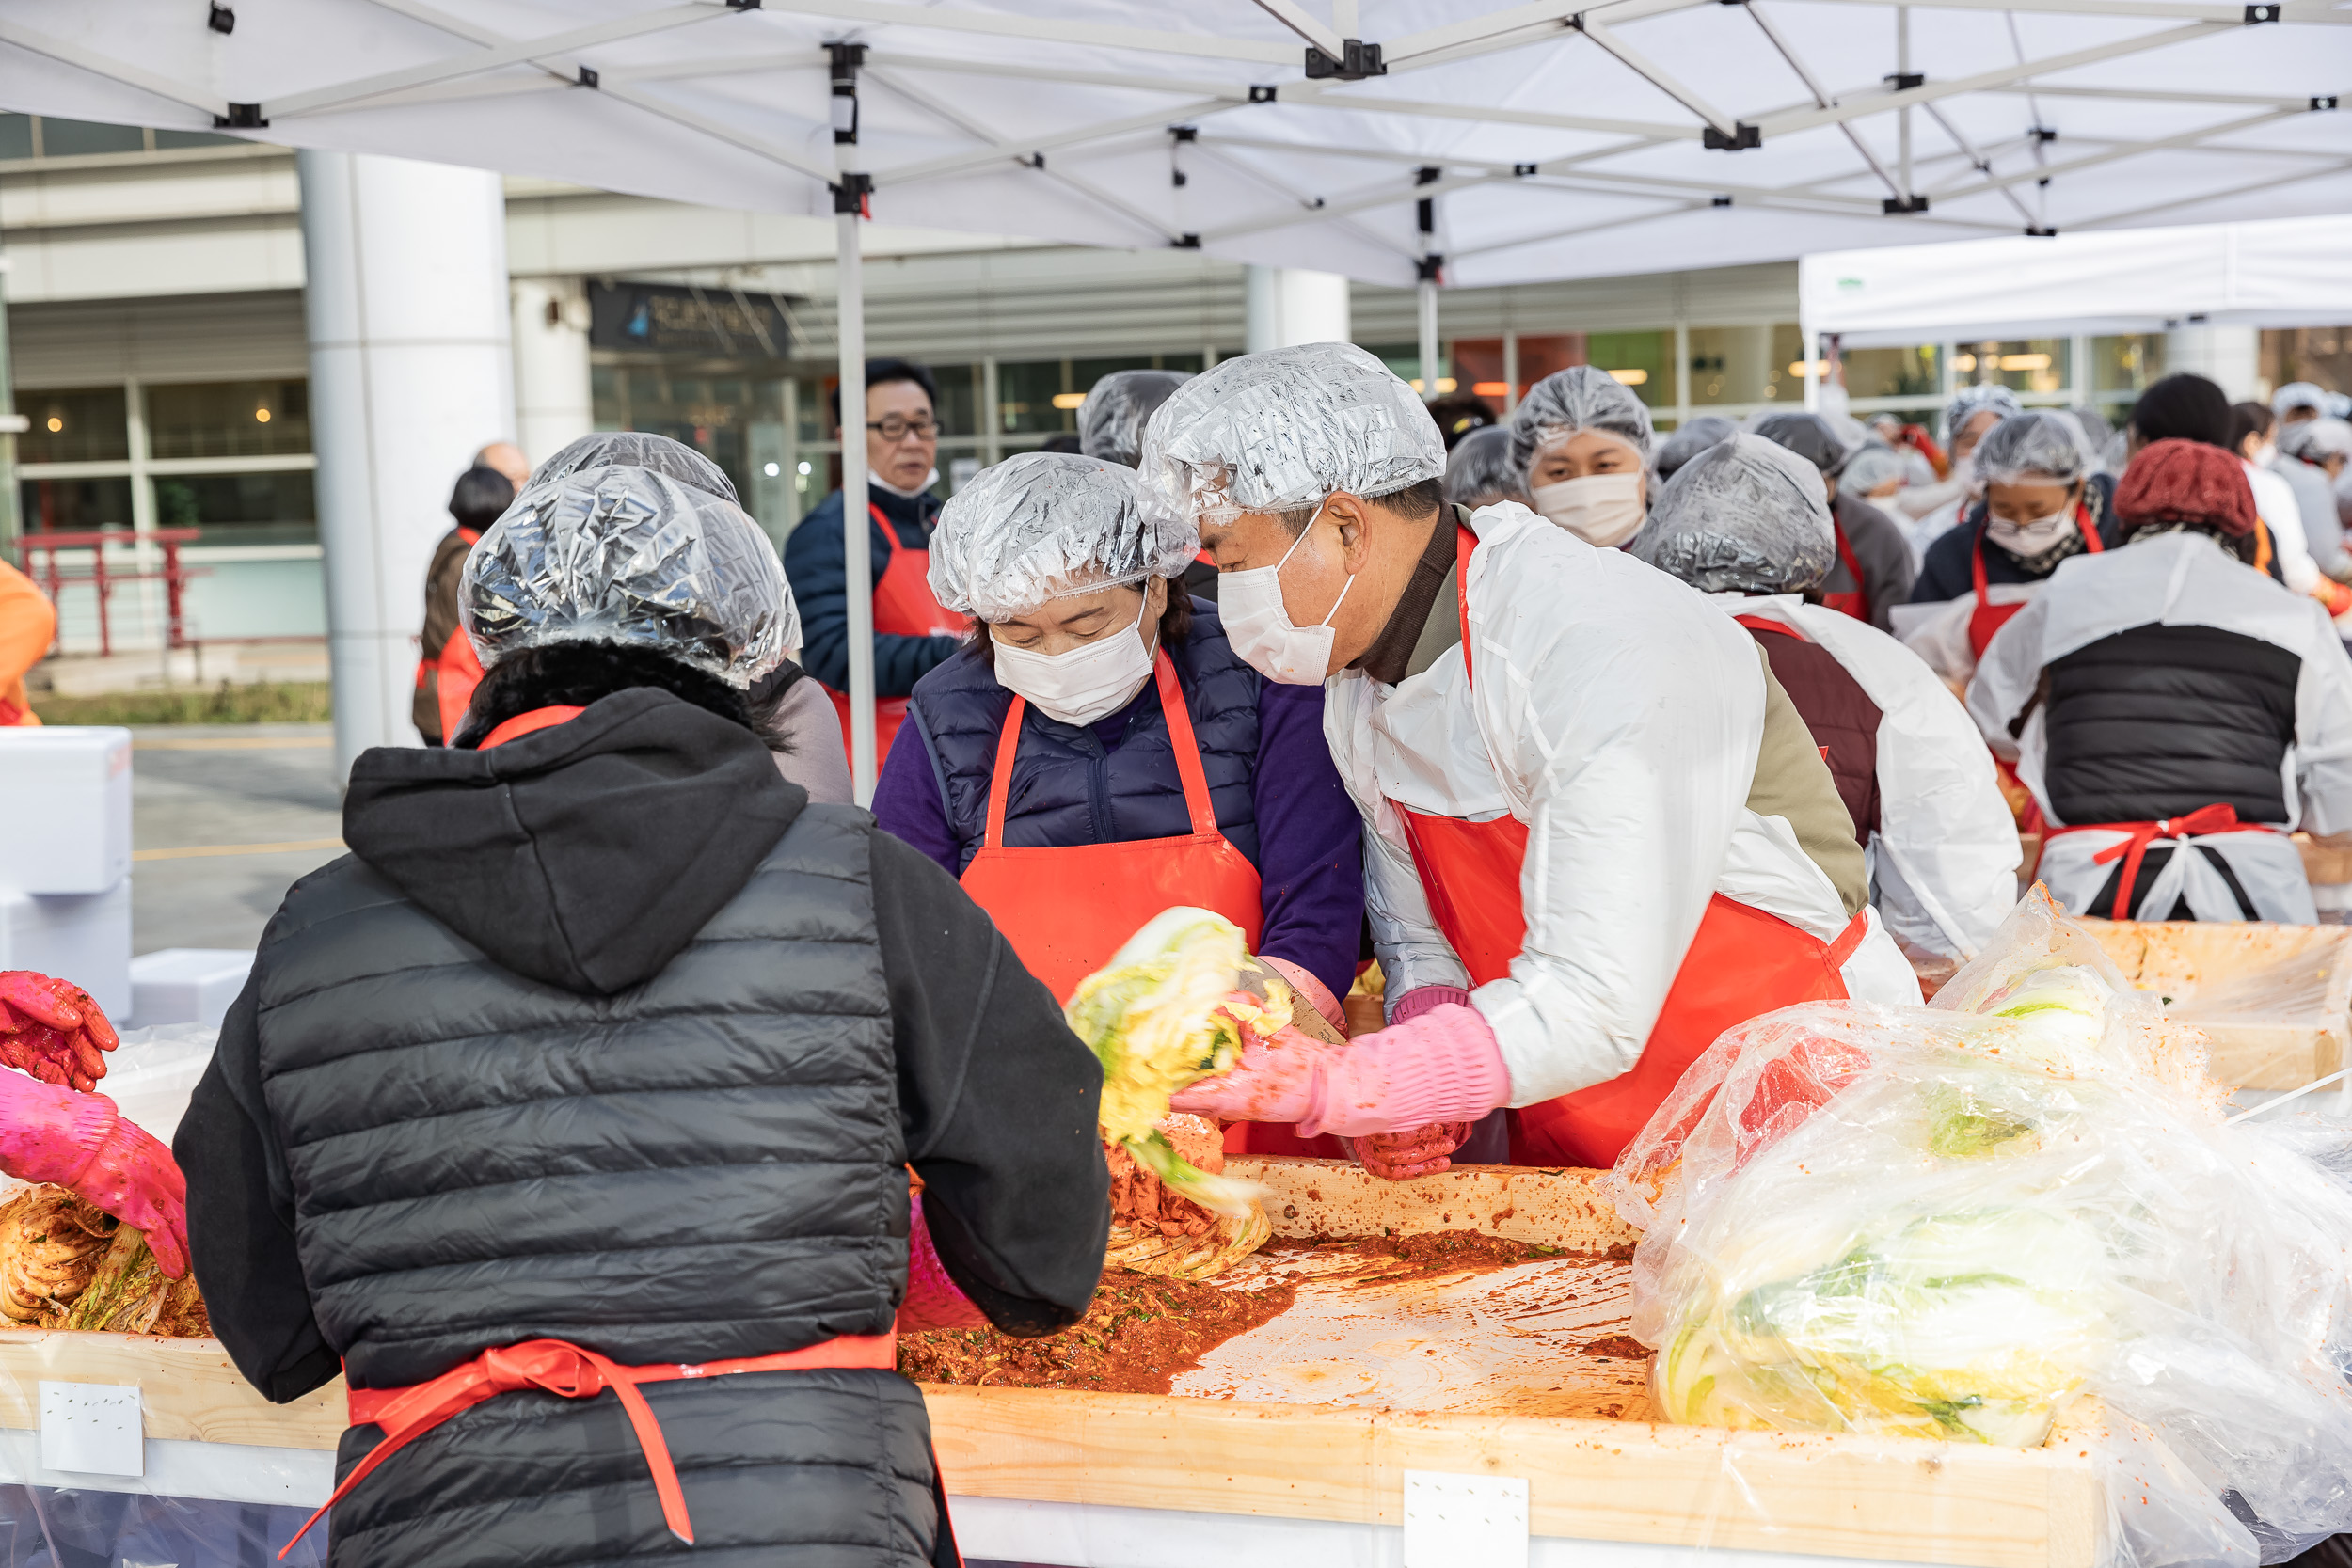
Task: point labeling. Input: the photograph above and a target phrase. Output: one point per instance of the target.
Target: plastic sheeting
(1047, 523)
(1278, 431)
(1111, 420)
(628, 555)
(1567, 402)
(1746, 515)
(1956, 1223)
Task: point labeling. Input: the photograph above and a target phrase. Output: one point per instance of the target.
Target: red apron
(1067, 910)
(1857, 603)
(1986, 619)
(903, 607)
(1742, 963)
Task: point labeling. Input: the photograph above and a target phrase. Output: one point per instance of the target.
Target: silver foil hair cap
(638, 448)
(627, 555)
(1111, 420)
(1047, 523)
(1282, 429)
(1746, 515)
(1569, 402)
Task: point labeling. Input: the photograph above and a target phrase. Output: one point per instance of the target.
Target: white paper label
(92, 1428)
(1459, 1521)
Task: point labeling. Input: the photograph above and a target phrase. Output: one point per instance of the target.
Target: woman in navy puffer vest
(1074, 588)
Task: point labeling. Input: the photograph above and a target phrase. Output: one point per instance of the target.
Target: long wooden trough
(1122, 1479)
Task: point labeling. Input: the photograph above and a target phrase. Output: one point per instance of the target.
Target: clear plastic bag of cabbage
(1962, 1222)
(1171, 1008)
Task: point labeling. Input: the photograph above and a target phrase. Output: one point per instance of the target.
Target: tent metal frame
(1326, 65)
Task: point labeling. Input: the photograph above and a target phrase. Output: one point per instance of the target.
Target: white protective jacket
(1617, 715)
(1944, 861)
(2181, 579)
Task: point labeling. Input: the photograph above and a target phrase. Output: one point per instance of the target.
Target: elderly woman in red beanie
(2176, 711)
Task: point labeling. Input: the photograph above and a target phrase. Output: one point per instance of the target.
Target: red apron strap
(1847, 939)
(1765, 623)
(1000, 779)
(1975, 561)
(530, 724)
(890, 535)
(1854, 565)
(1188, 749)
(2219, 817)
(2083, 525)
(1465, 542)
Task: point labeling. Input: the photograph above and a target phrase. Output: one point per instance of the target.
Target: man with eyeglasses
(911, 632)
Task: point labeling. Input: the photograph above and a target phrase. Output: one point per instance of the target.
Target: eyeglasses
(897, 428)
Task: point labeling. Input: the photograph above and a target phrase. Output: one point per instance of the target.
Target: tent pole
(857, 559)
(848, 196)
(1430, 366)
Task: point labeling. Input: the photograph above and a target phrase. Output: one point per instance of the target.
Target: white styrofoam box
(65, 795)
(84, 938)
(186, 985)
(151, 1073)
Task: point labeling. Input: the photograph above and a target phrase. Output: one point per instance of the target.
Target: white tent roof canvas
(2291, 272)
(1558, 140)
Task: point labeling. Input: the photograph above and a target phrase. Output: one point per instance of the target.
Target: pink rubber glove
(1318, 995)
(1444, 1066)
(1418, 1152)
(1420, 999)
(933, 1300)
(49, 1132)
(53, 1030)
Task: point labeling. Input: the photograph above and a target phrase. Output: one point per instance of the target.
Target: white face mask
(1259, 625)
(1079, 685)
(2264, 453)
(2027, 540)
(1600, 509)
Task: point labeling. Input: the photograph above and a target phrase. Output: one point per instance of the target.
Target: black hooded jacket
(607, 1035)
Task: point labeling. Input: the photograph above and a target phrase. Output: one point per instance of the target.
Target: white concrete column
(553, 406)
(1291, 305)
(411, 372)
(2230, 355)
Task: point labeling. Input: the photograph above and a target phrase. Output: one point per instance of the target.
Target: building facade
(155, 313)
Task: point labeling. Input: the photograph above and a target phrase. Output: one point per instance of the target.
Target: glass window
(1642, 360)
(72, 139)
(1892, 372)
(229, 418)
(16, 135)
(2022, 365)
(958, 398)
(240, 509)
(711, 414)
(80, 424)
(2121, 367)
(1747, 364)
(74, 505)
(167, 140)
(1025, 394)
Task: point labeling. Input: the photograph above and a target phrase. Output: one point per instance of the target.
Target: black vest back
(2157, 721)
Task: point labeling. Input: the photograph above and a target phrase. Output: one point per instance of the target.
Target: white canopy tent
(1391, 140)
(2292, 272)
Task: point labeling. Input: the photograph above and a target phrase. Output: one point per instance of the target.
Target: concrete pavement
(223, 819)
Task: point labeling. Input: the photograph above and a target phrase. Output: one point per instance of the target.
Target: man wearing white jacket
(1745, 523)
(1600, 834)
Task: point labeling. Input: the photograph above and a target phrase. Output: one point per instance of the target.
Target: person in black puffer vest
(596, 1065)
(1100, 753)
(1745, 521)
(2175, 711)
